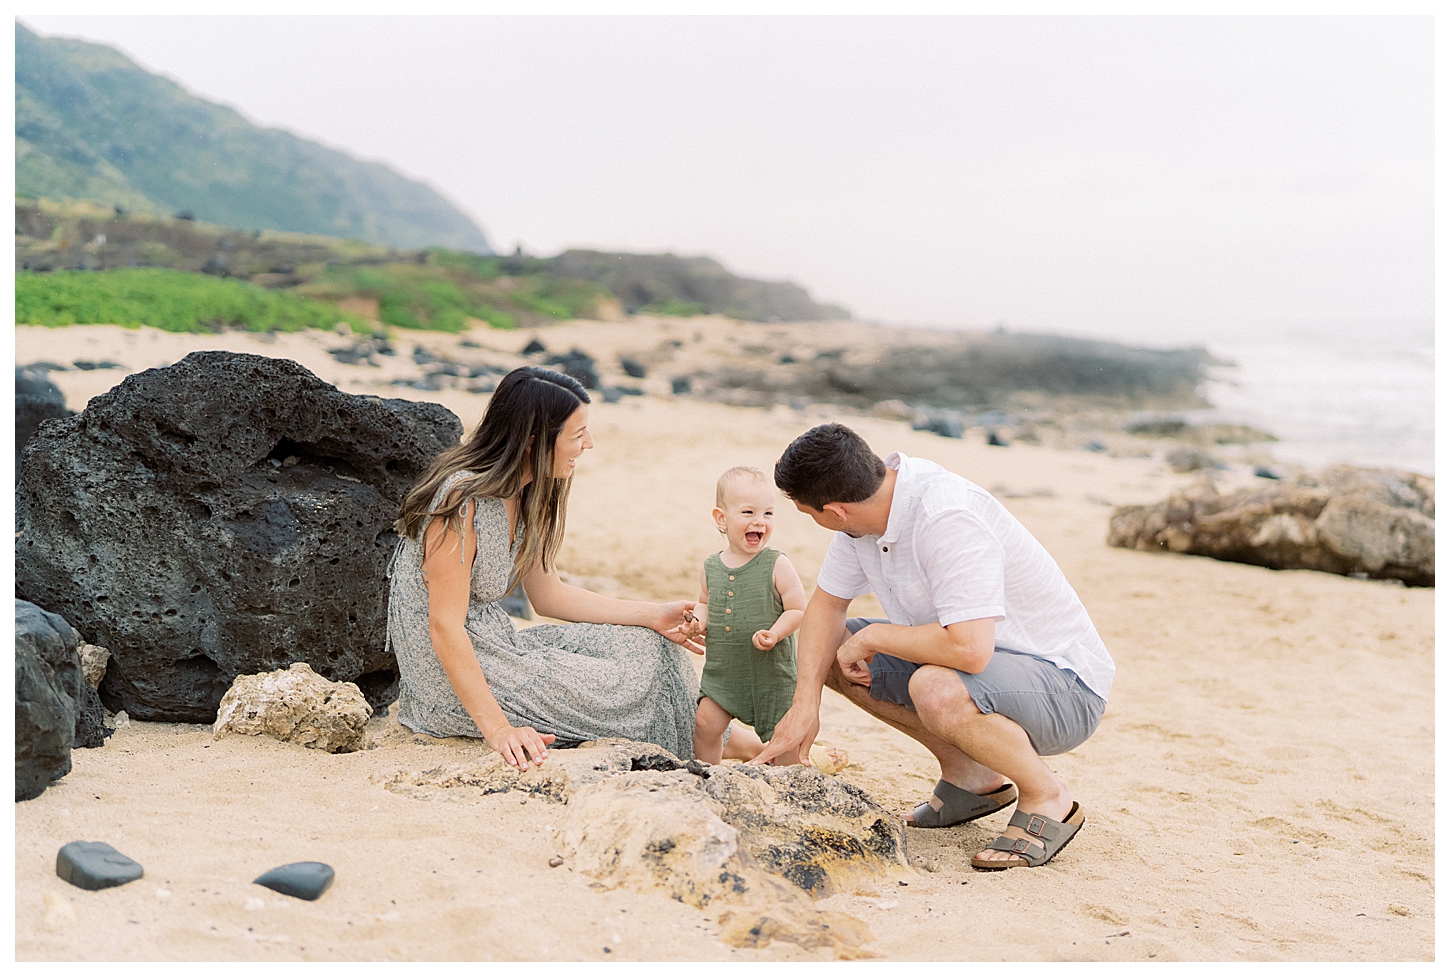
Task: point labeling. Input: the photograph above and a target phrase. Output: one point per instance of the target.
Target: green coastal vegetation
(78, 260)
(176, 301)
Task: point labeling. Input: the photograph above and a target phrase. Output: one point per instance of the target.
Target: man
(988, 657)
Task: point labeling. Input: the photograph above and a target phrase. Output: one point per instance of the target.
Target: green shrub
(177, 301)
(561, 298)
(477, 265)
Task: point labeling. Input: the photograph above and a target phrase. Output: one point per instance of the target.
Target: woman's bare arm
(447, 572)
(552, 597)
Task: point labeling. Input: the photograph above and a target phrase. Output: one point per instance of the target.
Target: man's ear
(837, 509)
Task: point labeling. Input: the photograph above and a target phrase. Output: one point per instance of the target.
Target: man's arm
(966, 646)
(820, 635)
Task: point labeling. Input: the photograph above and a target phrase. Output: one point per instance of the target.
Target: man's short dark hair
(829, 463)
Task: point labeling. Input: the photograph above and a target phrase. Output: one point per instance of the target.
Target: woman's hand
(676, 621)
(519, 744)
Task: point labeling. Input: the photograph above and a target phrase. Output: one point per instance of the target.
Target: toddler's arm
(793, 595)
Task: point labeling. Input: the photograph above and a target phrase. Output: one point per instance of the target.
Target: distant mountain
(91, 124)
(689, 286)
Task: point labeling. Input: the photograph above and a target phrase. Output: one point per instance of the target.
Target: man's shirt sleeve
(965, 565)
(841, 574)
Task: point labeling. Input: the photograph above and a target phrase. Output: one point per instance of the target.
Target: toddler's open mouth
(753, 539)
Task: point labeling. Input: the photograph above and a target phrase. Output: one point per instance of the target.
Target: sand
(1261, 787)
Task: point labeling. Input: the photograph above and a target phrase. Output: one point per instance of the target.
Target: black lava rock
(227, 515)
(680, 385)
(1261, 472)
(632, 367)
(611, 395)
(305, 880)
(95, 865)
(48, 682)
(947, 427)
(1094, 445)
(533, 347)
(996, 440)
(577, 364)
(364, 351)
(36, 399)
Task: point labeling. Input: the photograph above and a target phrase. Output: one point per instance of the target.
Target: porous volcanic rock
(295, 705)
(55, 710)
(1378, 523)
(36, 399)
(227, 515)
(758, 843)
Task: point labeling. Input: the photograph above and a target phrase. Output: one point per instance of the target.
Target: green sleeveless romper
(754, 686)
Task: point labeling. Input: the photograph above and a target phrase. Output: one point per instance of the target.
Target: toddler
(751, 603)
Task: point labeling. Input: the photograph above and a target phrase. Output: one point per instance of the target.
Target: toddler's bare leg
(743, 744)
(710, 723)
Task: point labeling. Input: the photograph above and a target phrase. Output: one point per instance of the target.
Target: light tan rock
(93, 663)
(894, 410)
(1360, 521)
(759, 843)
(295, 705)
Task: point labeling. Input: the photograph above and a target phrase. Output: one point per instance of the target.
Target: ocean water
(1360, 391)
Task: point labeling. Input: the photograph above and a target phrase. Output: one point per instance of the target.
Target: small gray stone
(305, 880)
(95, 865)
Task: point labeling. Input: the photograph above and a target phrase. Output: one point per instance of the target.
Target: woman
(491, 512)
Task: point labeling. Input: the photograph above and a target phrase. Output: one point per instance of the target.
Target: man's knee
(936, 690)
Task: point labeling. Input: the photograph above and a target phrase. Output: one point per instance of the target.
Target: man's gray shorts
(1054, 707)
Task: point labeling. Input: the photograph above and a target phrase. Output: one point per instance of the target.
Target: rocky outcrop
(295, 705)
(36, 399)
(756, 843)
(226, 515)
(55, 710)
(1375, 523)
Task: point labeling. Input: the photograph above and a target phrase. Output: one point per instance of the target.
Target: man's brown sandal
(960, 806)
(1048, 838)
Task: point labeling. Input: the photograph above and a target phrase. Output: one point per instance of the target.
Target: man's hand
(855, 649)
(794, 736)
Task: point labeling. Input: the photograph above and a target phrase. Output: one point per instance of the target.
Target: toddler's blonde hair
(733, 477)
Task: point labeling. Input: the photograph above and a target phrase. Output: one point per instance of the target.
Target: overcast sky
(1136, 177)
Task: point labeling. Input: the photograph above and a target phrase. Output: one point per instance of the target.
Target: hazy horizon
(1118, 176)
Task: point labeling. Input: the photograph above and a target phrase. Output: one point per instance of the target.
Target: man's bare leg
(945, 709)
(957, 768)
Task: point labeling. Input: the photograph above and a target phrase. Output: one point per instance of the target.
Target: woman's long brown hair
(529, 404)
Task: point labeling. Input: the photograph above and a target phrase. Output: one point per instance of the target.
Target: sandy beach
(1261, 787)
